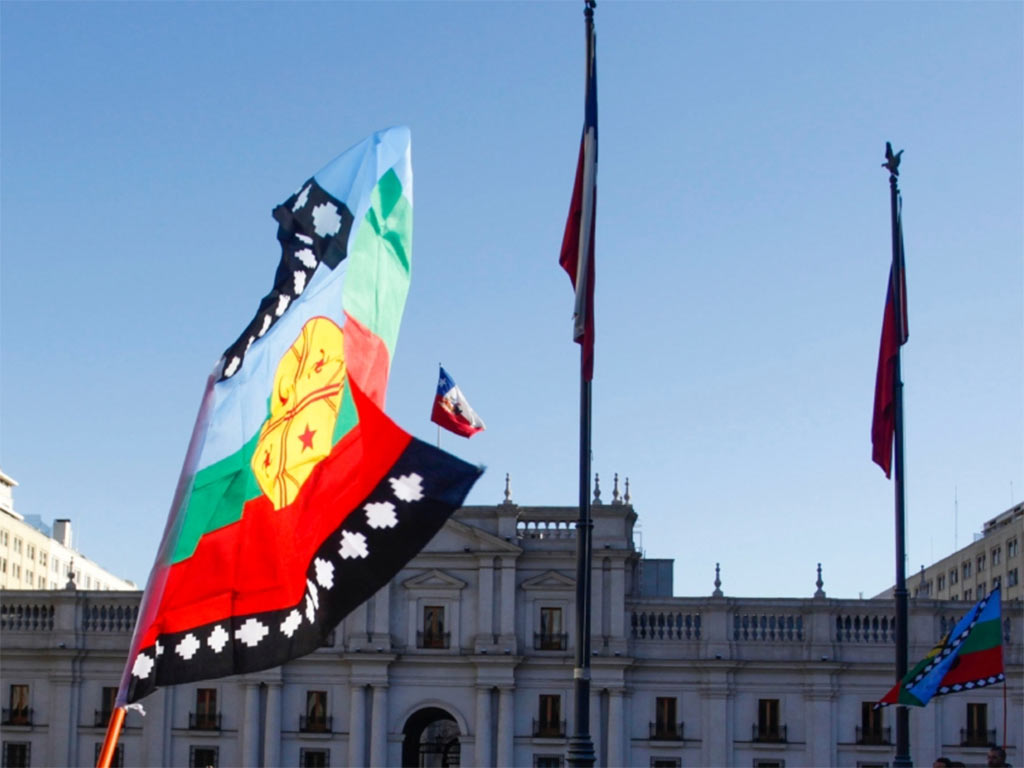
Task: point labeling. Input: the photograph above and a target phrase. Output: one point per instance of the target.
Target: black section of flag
(313, 227)
(338, 578)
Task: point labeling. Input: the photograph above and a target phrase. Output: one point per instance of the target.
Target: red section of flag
(259, 562)
(577, 256)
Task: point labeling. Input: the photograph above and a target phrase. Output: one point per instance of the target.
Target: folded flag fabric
(299, 498)
(451, 409)
(969, 656)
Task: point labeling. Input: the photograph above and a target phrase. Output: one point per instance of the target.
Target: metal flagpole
(110, 740)
(902, 758)
(581, 747)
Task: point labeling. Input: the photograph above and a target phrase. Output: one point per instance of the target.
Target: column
(250, 724)
(485, 605)
(506, 728)
(483, 727)
(617, 600)
(272, 730)
(616, 726)
(63, 719)
(356, 728)
(379, 727)
(508, 597)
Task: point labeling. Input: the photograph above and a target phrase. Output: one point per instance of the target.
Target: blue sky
(743, 246)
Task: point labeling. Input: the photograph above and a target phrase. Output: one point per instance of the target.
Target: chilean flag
(452, 411)
(577, 255)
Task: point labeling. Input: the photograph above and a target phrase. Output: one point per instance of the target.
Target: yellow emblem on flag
(303, 409)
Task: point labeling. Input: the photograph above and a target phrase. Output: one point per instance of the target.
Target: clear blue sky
(743, 247)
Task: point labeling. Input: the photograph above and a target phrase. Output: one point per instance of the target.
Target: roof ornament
(819, 592)
(718, 582)
(597, 488)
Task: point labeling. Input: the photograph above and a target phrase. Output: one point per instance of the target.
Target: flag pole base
(581, 751)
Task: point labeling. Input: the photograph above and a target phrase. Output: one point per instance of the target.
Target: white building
(466, 658)
(35, 556)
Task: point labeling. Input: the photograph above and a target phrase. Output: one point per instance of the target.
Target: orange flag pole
(110, 742)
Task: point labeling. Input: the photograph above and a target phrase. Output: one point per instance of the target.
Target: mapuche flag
(894, 335)
(299, 498)
(577, 256)
(452, 410)
(968, 657)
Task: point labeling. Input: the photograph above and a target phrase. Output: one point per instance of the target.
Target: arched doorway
(430, 740)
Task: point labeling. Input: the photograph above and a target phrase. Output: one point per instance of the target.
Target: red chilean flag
(299, 498)
(894, 335)
(577, 256)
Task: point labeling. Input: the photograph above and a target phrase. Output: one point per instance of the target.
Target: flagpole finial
(892, 160)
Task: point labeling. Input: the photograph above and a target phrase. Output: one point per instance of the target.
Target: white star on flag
(251, 632)
(143, 666)
(381, 514)
(407, 487)
(188, 646)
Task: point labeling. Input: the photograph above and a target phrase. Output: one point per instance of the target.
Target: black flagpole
(581, 747)
(902, 757)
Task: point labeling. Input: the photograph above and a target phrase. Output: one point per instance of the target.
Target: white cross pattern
(188, 646)
(143, 666)
(324, 572)
(251, 632)
(218, 638)
(353, 545)
(381, 514)
(407, 487)
(291, 623)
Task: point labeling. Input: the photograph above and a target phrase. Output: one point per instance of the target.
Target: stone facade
(466, 658)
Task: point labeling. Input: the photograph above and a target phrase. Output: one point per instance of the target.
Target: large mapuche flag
(299, 498)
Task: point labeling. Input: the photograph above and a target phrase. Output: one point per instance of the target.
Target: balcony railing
(874, 735)
(970, 737)
(549, 729)
(769, 735)
(433, 639)
(18, 716)
(550, 641)
(319, 724)
(204, 721)
(666, 731)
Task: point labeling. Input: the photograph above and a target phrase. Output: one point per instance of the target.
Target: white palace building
(466, 658)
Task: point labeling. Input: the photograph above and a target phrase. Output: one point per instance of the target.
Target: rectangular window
(315, 720)
(547, 761)
(205, 718)
(16, 571)
(1011, 578)
(1012, 547)
(116, 761)
(30, 552)
(17, 545)
(968, 594)
(979, 563)
(997, 555)
(551, 637)
(42, 559)
(549, 722)
(17, 754)
(314, 758)
(433, 634)
(981, 590)
(29, 576)
(19, 713)
(976, 734)
(3, 538)
(3, 565)
(202, 757)
(768, 727)
(665, 725)
(953, 577)
(761, 762)
(995, 582)
(871, 730)
(107, 697)
(665, 762)
(966, 568)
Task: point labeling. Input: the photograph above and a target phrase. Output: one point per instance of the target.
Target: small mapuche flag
(299, 498)
(969, 657)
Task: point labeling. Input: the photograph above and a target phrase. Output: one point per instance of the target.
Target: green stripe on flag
(985, 635)
(379, 269)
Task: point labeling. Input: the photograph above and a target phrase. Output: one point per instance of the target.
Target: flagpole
(110, 740)
(902, 758)
(581, 746)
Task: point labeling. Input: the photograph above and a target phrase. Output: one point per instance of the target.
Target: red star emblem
(307, 438)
